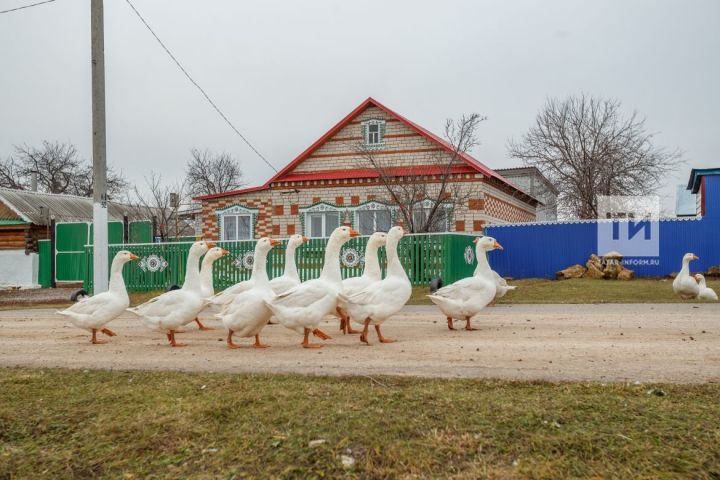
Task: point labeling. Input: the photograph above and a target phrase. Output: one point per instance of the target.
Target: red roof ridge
(467, 158)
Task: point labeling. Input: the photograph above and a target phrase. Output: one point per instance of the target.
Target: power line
(207, 97)
(26, 6)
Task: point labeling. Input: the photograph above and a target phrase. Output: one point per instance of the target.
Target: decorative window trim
(236, 210)
(320, 207)
(448, 206)
(366, 133)
(372, 206)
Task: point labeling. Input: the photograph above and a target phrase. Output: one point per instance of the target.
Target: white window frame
(236, 211)
(427, 204)
(323, 209)
(380, 133)
(372, 207)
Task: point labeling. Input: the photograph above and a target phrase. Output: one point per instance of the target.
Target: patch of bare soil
(639, 342)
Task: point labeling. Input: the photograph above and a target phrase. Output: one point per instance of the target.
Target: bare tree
(209, 172)
(10, 176)
(587, 147)
(161, 201)
(425, 192)
(59, 169)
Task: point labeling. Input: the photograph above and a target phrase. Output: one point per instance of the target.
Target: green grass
(583, 290)
(100, 424)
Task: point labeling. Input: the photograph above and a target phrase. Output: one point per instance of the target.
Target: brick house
(327, 184)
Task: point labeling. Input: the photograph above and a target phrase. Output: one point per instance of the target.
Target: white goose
(706, 293)
(290, 278)
(383, 298)
(248, 313)
(684, 284)
(371, 273)
(465, 298)
(302, 308)
(171, 310)
(93, 313)
(206, 277)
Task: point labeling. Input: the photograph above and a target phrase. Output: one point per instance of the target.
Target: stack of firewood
(608, 267)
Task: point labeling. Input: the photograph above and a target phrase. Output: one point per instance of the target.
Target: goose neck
(192, 272)
(394, 267)
(331, 267)
(259, 271)
(483, 267)
(206, 272)
(372, 264)
(117, 282)
(290, 265)
(685, 266)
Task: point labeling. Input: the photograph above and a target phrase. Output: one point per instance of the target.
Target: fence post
(126, 229)
(53, 284)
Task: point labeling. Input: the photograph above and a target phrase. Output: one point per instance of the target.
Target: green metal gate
(70, 241)
(449, 256)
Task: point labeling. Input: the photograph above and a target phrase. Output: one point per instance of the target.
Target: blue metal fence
(539, 250)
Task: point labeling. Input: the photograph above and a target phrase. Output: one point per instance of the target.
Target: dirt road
(646, 343)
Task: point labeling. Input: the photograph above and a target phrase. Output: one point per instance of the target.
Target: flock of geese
(247, 307)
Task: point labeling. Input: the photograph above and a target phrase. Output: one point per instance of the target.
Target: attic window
(373, 133)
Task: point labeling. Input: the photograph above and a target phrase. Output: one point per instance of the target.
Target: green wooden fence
(449, 256)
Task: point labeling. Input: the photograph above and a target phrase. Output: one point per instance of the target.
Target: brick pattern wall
(279, 207)
(506, 211)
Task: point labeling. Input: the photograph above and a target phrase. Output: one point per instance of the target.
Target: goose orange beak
(354, 233)
(498, 246)
(210, 244)
(224, 252)
(305, 239)
(133, 256)
(477, 239)
(695, 257)
(274, 242)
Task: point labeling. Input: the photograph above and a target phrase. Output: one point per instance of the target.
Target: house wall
(18, 269)
(279, 206)
(13, 237)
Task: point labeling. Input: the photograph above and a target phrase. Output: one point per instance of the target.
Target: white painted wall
(18, 269)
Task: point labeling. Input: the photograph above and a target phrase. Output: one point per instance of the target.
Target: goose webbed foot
(95, 340)
(259, 344)
(468, 326)
(382, 339)
(202, 327)
(306, 341)
(173, 342)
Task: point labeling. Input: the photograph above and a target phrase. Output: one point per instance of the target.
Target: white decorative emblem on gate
(153, 263)
(350, 257)
(469, 255)
(245, 261)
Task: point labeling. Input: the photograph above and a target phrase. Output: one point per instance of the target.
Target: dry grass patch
(583, 290)
(100, 424)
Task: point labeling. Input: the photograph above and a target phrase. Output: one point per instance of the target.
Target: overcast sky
(286, 71)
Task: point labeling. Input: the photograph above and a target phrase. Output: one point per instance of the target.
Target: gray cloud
(285, 72)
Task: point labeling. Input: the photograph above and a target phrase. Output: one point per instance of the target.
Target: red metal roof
(284, 174)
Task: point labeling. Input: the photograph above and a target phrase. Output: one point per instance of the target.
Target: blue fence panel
(540, 250)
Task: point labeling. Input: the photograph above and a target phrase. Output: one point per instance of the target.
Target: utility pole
(100, 232)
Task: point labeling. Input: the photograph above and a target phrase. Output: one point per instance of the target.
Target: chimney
(33, 181)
